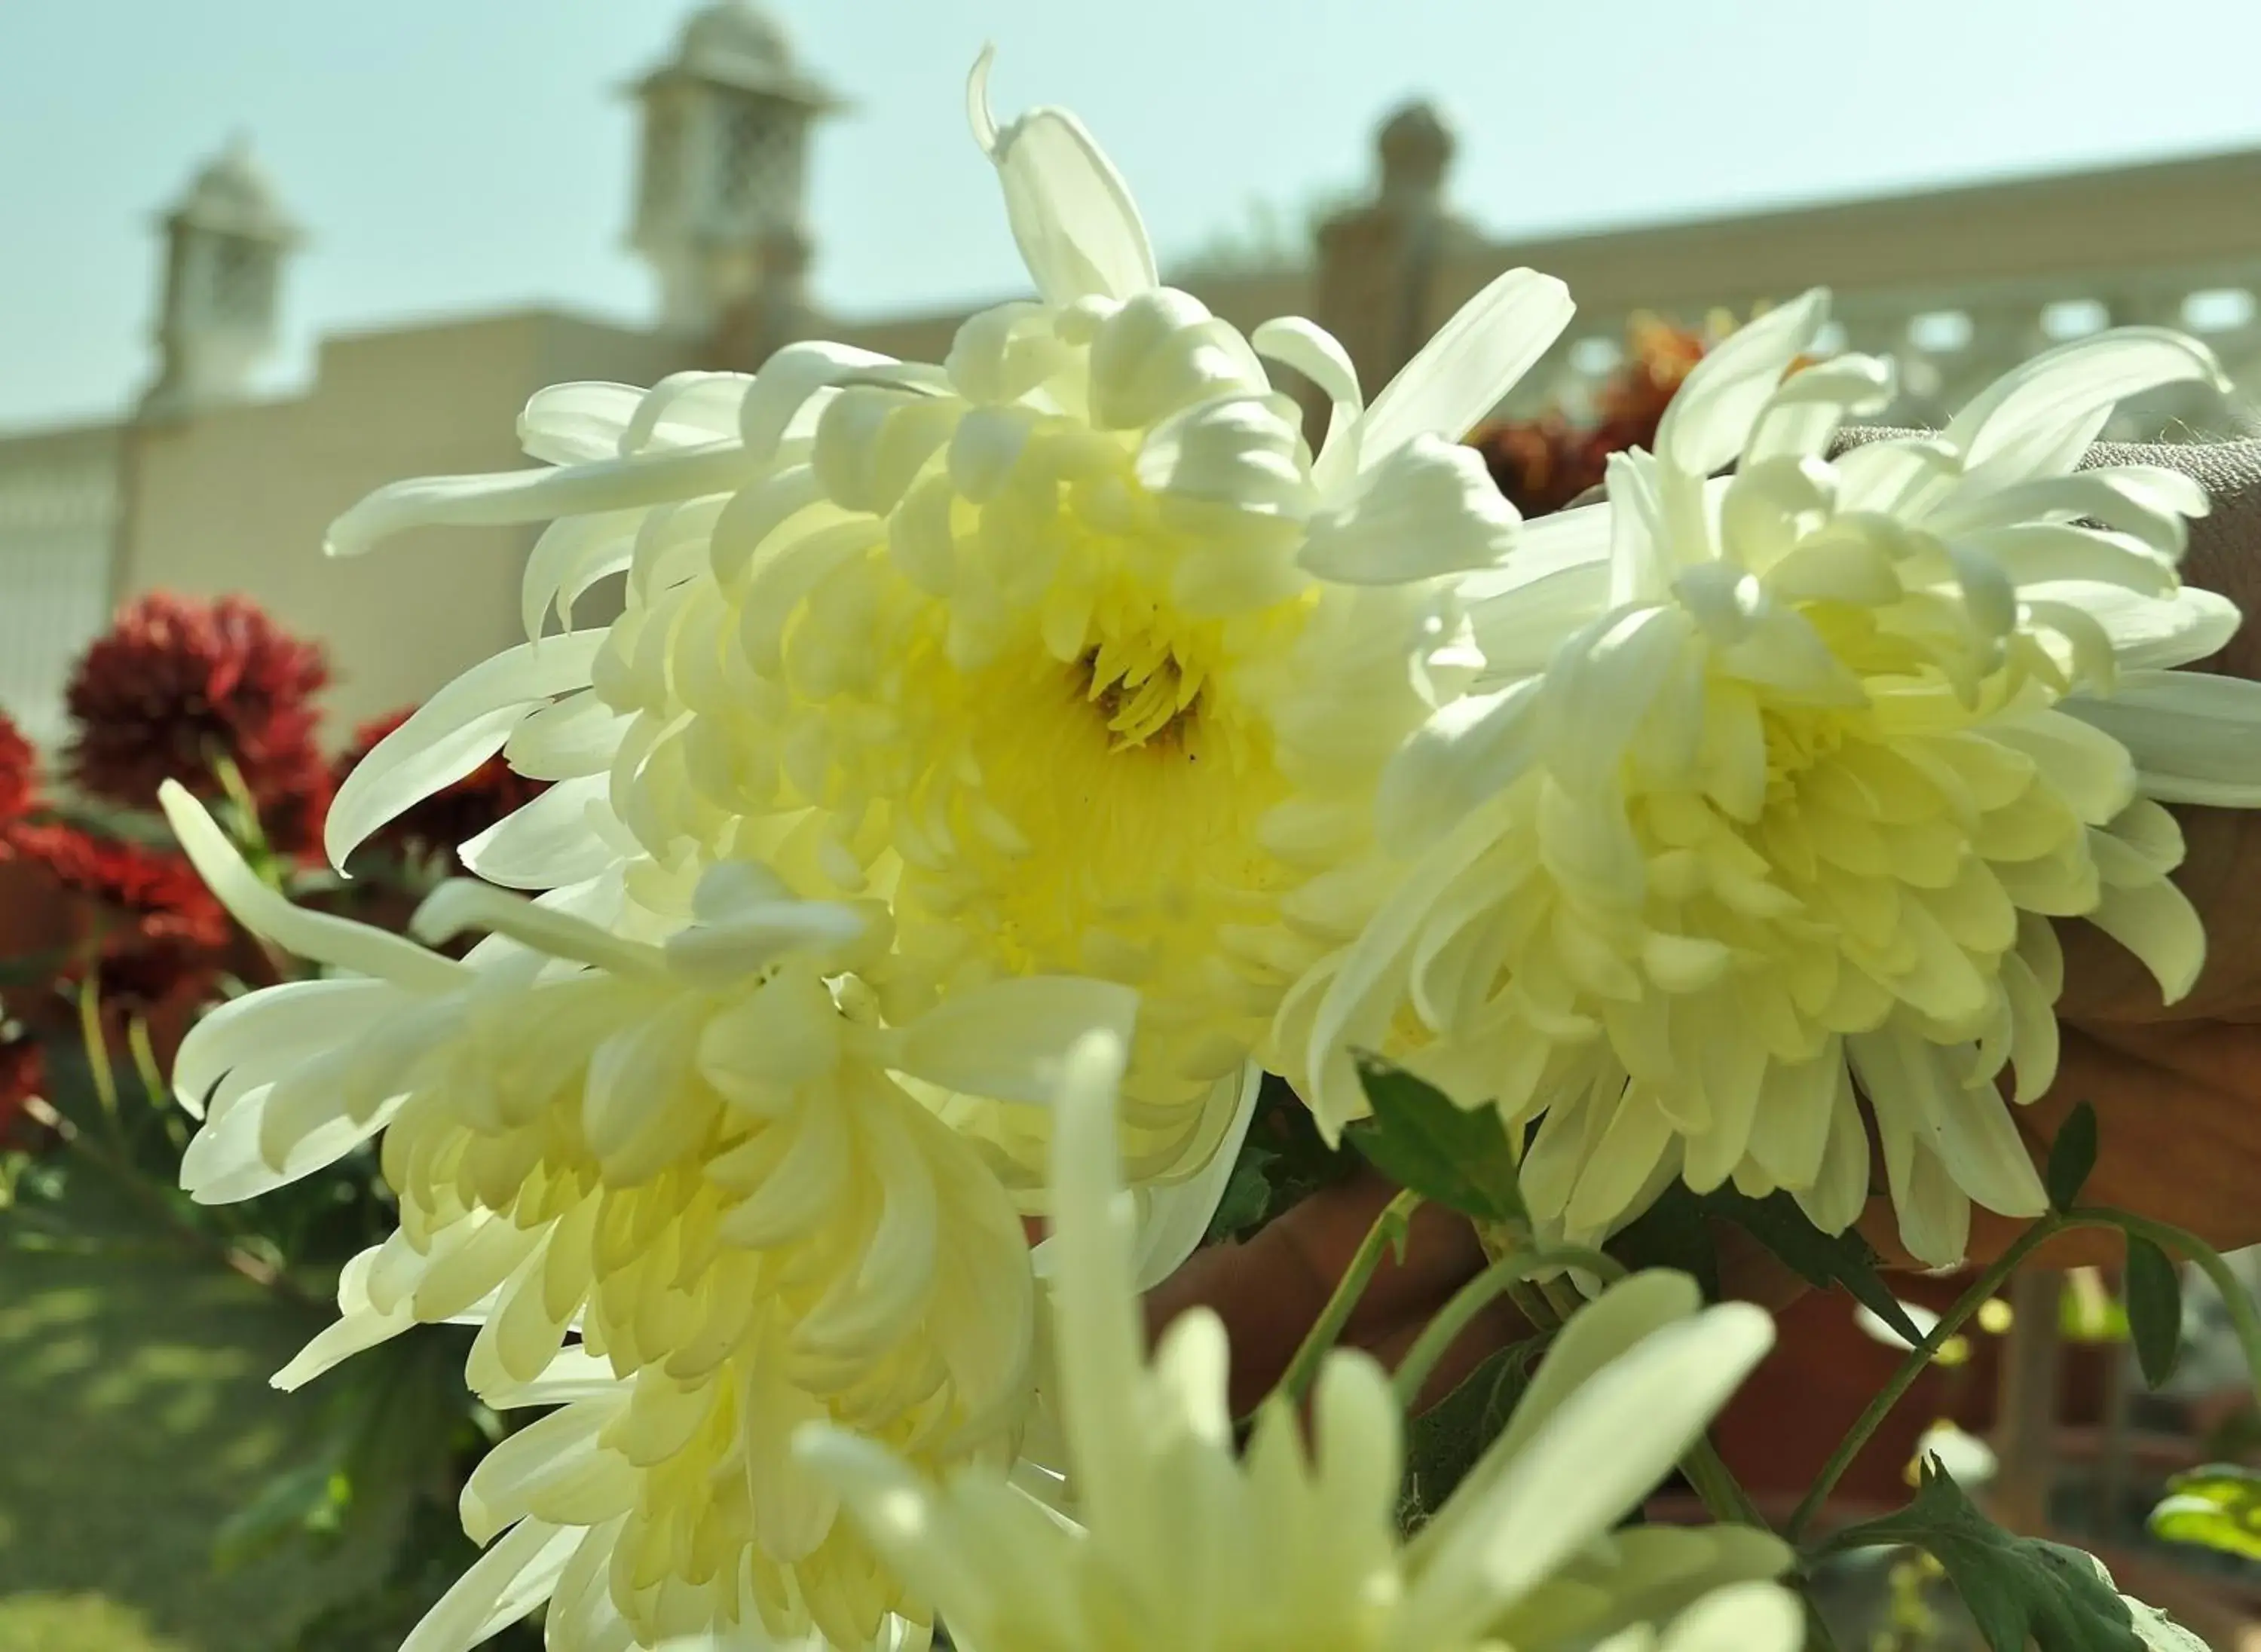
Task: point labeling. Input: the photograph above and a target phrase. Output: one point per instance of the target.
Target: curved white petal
(547, 843)
(1429, 508)
(316, 936)
(685, 410)
(572, 423)
(452, 733)
(1720, 403)
(1751, 1617)
(2042, 414)
(1319, 356)
(1078, 228)
(532, 496)
(1176, 1215)
(1606, 1448)
(502, 1585)
(463, 904)
(1100, 1340)
(1463, 372)
(1470, 751)
(1807, 411)
(297, 1016)
(2195, 738)
(1008, 1039)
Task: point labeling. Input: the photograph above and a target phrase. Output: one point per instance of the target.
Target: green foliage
(1443, 1444)
(2216, 1507)
(2071, 1157)
(431, 1552)
(2017, 1589)
(1283, 1162)
(1674, 1232)
(397, 1430)
(1821, 1260)
(1450, 1155)
(1677, 1232)
(2155, 1309)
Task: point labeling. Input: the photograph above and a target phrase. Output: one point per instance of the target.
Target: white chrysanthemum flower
(1779, 780)
(707, 1163)
(1070, 648)
(1175, 1542)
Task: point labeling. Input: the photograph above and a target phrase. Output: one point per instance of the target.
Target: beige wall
(57, 515)
(237, 498)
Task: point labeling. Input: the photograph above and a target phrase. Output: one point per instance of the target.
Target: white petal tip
(978, 114)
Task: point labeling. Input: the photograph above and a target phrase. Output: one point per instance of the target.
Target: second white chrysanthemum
(1779, 781)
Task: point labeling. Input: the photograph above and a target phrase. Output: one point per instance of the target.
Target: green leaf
(1444, 1443)
(2017, 1589)
(2155, 1309)
(1421, 1140)
(305, 1501)
(1247, 1195)
(1672, 1232)
(1822, 1260)
(2072, 1156)
(2216, 1507)
(2159, 1631)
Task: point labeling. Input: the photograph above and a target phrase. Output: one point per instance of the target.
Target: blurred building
(205, 487)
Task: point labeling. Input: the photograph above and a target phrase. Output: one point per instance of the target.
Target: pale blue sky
(459, 155)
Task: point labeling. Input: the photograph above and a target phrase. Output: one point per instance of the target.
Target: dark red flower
(1542, 464)
(175, 686)
(151, 927)
(292, 811)
(19, 773)
(23, 1074)
(451, 816)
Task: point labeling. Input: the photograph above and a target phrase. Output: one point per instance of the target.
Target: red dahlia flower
(19, 778)
(23, 1074)
(151, 927)
(176, 685)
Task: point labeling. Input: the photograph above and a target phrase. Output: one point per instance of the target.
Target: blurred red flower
(451, 816)
(178, 685)
(1542, 464)
(23, 1074)
(149, 927)
(19, 774)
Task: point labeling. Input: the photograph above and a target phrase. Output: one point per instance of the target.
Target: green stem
(1534, 1308)
(1918, 1358)
(123, 1175)
(145, 1061)
(1563, 1297)
(1817, 1638)
(1471, 1299)
(97, 1052)
(2235, 1301)
(1389, 1227)
(1715, 1482)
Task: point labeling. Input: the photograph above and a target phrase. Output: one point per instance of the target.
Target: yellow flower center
(1115, 793)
